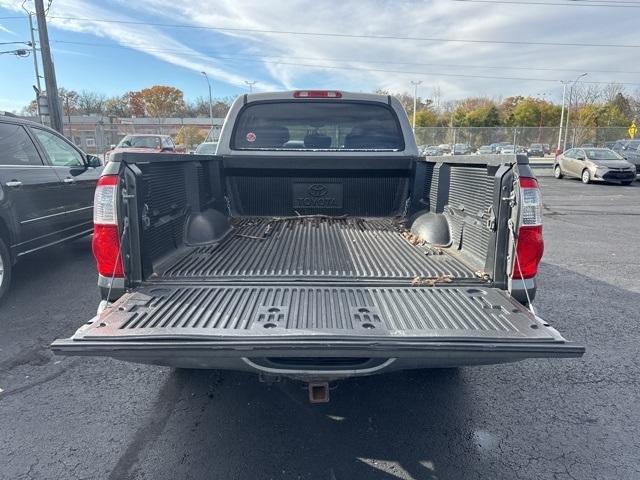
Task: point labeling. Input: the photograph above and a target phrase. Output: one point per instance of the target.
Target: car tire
(557, 172)
(626, 184)
(5, 268)
(586, 176)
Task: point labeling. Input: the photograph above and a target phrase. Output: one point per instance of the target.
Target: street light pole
(415, 84)
(210, 98)
(564, 91)
(251, 84)
(566, 132)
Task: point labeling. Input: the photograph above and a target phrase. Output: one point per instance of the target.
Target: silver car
(594, 165)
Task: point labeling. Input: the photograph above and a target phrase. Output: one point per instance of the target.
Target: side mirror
(579, 157)
(112, 146)
(93, 161)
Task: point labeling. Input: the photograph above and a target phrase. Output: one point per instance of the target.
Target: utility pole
(49, 70)
(33, 51)
(415, 84)
(566, 132)
(251, 84)
(564, 91)
(210, 99)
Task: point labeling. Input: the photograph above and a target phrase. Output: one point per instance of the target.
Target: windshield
(207, 148)
(317, 125)
(131, 141)
(601, 154)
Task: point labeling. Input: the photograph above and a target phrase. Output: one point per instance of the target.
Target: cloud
(438, 18)
(6, 30)
(363, 64)
(142, 38)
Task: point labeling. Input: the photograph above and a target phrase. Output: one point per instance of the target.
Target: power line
(572, 4)
(208, 54)
(350, 35)
(380, 70)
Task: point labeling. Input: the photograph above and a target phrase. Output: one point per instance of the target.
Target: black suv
(630, 150)
(46, 191)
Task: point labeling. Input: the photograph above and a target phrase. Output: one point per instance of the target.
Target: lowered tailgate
(201, 325)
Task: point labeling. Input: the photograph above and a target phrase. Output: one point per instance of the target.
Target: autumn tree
(191, 136)
(426, 118)
(484, 116)
(135, 103)
(161, 101)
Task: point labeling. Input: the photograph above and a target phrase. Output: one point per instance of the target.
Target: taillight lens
(106, 239)
(529, 244)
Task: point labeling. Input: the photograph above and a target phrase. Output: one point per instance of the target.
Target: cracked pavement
(92, 418)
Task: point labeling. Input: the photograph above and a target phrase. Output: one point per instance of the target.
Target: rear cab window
(317, 125)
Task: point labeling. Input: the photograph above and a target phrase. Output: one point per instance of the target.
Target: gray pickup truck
(317, 245)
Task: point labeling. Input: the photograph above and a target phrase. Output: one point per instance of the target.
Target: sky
(459, 48)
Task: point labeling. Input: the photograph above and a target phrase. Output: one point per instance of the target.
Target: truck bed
(347, 248)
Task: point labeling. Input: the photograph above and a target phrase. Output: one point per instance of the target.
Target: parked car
(445, 147)
(594, 165)
(461, 149)
(46, 191)
(432, 152)
(507, 149)
(485, 150)
(207, 148)
(312, 263)
(501, 145)
(629, 150)
(546, 148)
(535, 150)
(145, 143)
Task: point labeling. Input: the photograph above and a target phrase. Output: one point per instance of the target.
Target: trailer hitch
(318, 392)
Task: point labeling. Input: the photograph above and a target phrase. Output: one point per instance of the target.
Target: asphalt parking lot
(75, 418)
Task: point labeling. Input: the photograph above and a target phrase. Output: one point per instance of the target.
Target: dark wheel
(5, 268)
(626, 183)
(557, 172)
(586, 176)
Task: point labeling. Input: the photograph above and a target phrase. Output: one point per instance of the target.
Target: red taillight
(529, 244)
(106, 239)
(317, 94)
(106, 250)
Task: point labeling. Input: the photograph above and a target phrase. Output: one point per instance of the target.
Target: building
(96, 133)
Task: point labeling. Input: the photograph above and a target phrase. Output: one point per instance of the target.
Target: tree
(90, 102)
(135, 102)
(426, 118)
(526, 113)
(117, 107)
(485, 116)
(69, 99)
(31, 109)
(623, 105)
(161, 101)
(190, 136)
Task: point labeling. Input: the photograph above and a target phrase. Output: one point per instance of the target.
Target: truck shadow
(412, 425)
